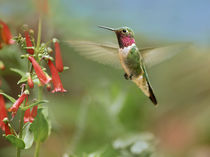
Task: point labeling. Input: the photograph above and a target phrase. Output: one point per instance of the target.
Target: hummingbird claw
(131, 76)
(128, 77)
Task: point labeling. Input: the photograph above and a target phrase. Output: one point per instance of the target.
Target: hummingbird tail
(152, 96)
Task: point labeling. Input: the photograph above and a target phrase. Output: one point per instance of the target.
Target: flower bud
(29, 43)
(49, 50)
(58, 57)
(30, 81)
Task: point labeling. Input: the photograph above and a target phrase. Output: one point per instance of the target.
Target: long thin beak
(108, 28)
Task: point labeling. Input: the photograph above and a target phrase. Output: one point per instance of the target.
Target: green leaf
(41, 126)
(23, 79)
(8, 97)
(28, 136)
(21, 73)
(17, 142)
(34, 104)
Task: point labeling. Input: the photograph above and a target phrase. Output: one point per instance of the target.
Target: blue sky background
(177, 19)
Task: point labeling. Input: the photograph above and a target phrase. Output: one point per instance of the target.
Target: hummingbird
(132, 60)
(128, 56)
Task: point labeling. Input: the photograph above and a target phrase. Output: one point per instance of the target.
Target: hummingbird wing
(107, 53)
(102, 53)
(154, 56)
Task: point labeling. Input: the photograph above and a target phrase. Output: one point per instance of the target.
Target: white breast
(123, 55)
(124, 51)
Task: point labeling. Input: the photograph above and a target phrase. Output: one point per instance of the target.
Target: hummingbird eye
(124, 31)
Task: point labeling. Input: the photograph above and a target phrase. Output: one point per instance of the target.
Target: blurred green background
(104, 113)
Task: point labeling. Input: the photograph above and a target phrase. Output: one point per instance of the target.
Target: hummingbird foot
(128, 77)
(131, 76)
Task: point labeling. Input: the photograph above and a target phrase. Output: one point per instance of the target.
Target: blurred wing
(108, 53)
(102, 53)
(154, 56)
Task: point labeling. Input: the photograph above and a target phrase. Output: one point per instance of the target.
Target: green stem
(38, 37)
(18, 152)
(40, 92)
(21, 128)
(39, 33)
(36, 154)
(40, 89)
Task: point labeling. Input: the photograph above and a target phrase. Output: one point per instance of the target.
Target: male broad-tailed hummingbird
(132, 61)
(126, 55)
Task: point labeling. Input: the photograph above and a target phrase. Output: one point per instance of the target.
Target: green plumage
(133, 62)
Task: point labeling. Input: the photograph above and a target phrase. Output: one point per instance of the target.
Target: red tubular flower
(29, 43)
(17, 104)
(58, 87)
(30, 115)
(58, 57)
(7, 130)
(30, 82)
(0, 45)
(33, 113)
(6, 34)
(27, 116)
(3, 114)
(39, 72)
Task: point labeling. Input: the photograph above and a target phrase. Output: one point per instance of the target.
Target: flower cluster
(38, 55)
(36, 59)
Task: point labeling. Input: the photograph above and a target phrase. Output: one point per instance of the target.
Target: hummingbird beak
(108, 28)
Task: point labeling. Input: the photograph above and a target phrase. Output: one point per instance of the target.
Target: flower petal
(6, 34)
(17, 104)
(39, 72)
(58, 57)
(58, 87)
(29, 43)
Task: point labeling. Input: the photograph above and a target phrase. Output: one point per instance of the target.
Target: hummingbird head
(125, 35)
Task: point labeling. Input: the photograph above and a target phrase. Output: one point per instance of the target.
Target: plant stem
(39, 33)
(36, 154)
(18, 152)
(38, 37)
(21, 127)
(40, 89)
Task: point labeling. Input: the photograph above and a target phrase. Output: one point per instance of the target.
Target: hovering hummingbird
(127, 56)
(132, 60)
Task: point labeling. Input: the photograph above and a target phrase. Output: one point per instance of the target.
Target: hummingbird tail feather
(152, 96)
